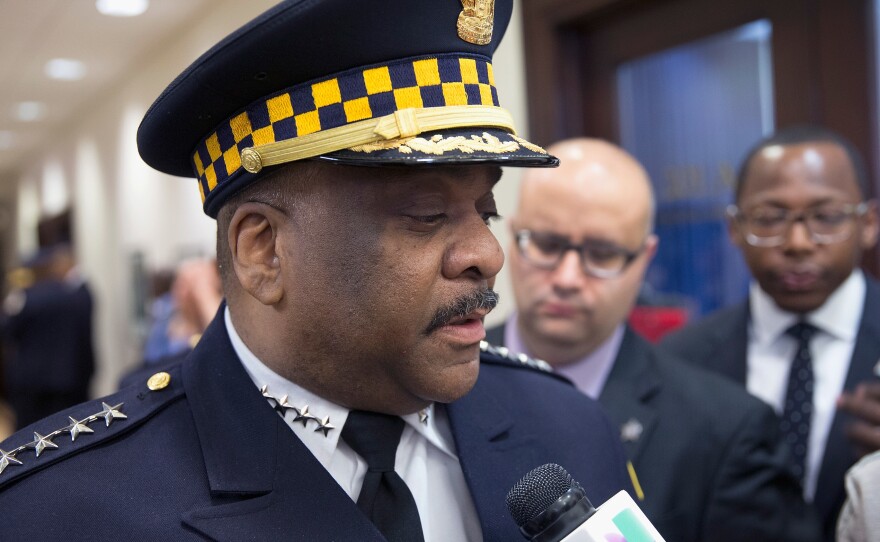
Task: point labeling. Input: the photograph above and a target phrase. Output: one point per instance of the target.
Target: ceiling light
(65, 69)
(29, 111)
(7, 140)
(122, 8)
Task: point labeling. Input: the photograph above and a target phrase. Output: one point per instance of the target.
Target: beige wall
(123, 207)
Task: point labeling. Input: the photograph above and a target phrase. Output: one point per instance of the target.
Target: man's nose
(569, 273)
(798, 237)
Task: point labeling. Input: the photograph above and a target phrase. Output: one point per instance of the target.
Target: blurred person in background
(807, 338)
(180, 316)
(706, 455)
(47, 326)
(182, 312)
(860, 517)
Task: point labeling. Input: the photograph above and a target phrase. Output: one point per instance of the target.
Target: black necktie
(384, 498)
(798, 410)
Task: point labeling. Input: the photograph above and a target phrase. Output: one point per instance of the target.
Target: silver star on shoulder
(423, 416)
(40, 443)
(303, 415)
(111, 413)
(6, 459)
(76, 428)
(324, 425)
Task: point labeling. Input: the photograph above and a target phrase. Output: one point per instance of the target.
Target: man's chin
(562, 333)
(455, 382)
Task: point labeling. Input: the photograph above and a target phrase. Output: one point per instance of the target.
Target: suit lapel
(494, 450)
(839, 453)
(627, 393)
(729, 357)
(269, 482)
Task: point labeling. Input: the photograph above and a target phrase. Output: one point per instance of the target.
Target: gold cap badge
(476, 21)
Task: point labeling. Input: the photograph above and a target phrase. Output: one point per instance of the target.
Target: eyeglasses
(770, 226)
(598, 258)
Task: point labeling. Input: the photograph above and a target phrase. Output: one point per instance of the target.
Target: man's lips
(799, 280)
(558, 310)
(467, 329)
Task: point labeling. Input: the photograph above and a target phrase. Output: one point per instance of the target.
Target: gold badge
(159, 381)
(476, 20)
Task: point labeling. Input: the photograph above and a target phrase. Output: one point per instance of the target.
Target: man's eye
(603, 254)
(428, 219)
(549, 245)
(767, 220)
(830, 216)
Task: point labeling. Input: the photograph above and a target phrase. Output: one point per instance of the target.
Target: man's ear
(870, 227)
(651, 244)
(734, 233)
(253, 243)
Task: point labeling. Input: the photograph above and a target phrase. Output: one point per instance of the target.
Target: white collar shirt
(771, 350)
(589, 373)
(426, 456)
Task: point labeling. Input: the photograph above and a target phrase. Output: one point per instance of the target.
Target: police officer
(340, 393)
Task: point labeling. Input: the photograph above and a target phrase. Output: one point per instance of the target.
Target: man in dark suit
(48, 331)
(802, 222)
(340, 392)
(707, 456)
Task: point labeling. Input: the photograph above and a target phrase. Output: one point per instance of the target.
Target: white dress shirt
(771, 350)
(589, 373)
(426, 456)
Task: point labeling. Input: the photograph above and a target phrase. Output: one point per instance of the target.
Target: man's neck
(554, 352)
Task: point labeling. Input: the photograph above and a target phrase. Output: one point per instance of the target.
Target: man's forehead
(815, 165)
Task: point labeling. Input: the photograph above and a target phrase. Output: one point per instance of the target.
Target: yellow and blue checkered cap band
(352, 96)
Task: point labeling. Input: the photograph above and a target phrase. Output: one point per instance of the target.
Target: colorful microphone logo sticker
(630, 527)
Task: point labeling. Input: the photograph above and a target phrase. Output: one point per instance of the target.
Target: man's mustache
(481, 299)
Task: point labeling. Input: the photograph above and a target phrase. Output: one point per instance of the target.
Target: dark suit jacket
(707, 454)
(208, 457)
(719, 342)
(50, 345)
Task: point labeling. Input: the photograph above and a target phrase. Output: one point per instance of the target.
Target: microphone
(549, 506)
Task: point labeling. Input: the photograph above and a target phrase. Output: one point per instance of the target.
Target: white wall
(121, 206)
(510, 78)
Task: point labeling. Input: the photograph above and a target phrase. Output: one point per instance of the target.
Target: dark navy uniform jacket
(207, 457)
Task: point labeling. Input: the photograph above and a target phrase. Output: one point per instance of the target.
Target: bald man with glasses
(807, 338)
(707, 460)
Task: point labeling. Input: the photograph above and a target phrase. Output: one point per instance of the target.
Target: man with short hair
(340, 392)
(707, 455)
(806, 339)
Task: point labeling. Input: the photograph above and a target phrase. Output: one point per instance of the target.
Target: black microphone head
(537, 491)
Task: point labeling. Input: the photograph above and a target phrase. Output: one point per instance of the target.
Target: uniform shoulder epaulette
(84, 426)
(502, 355)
